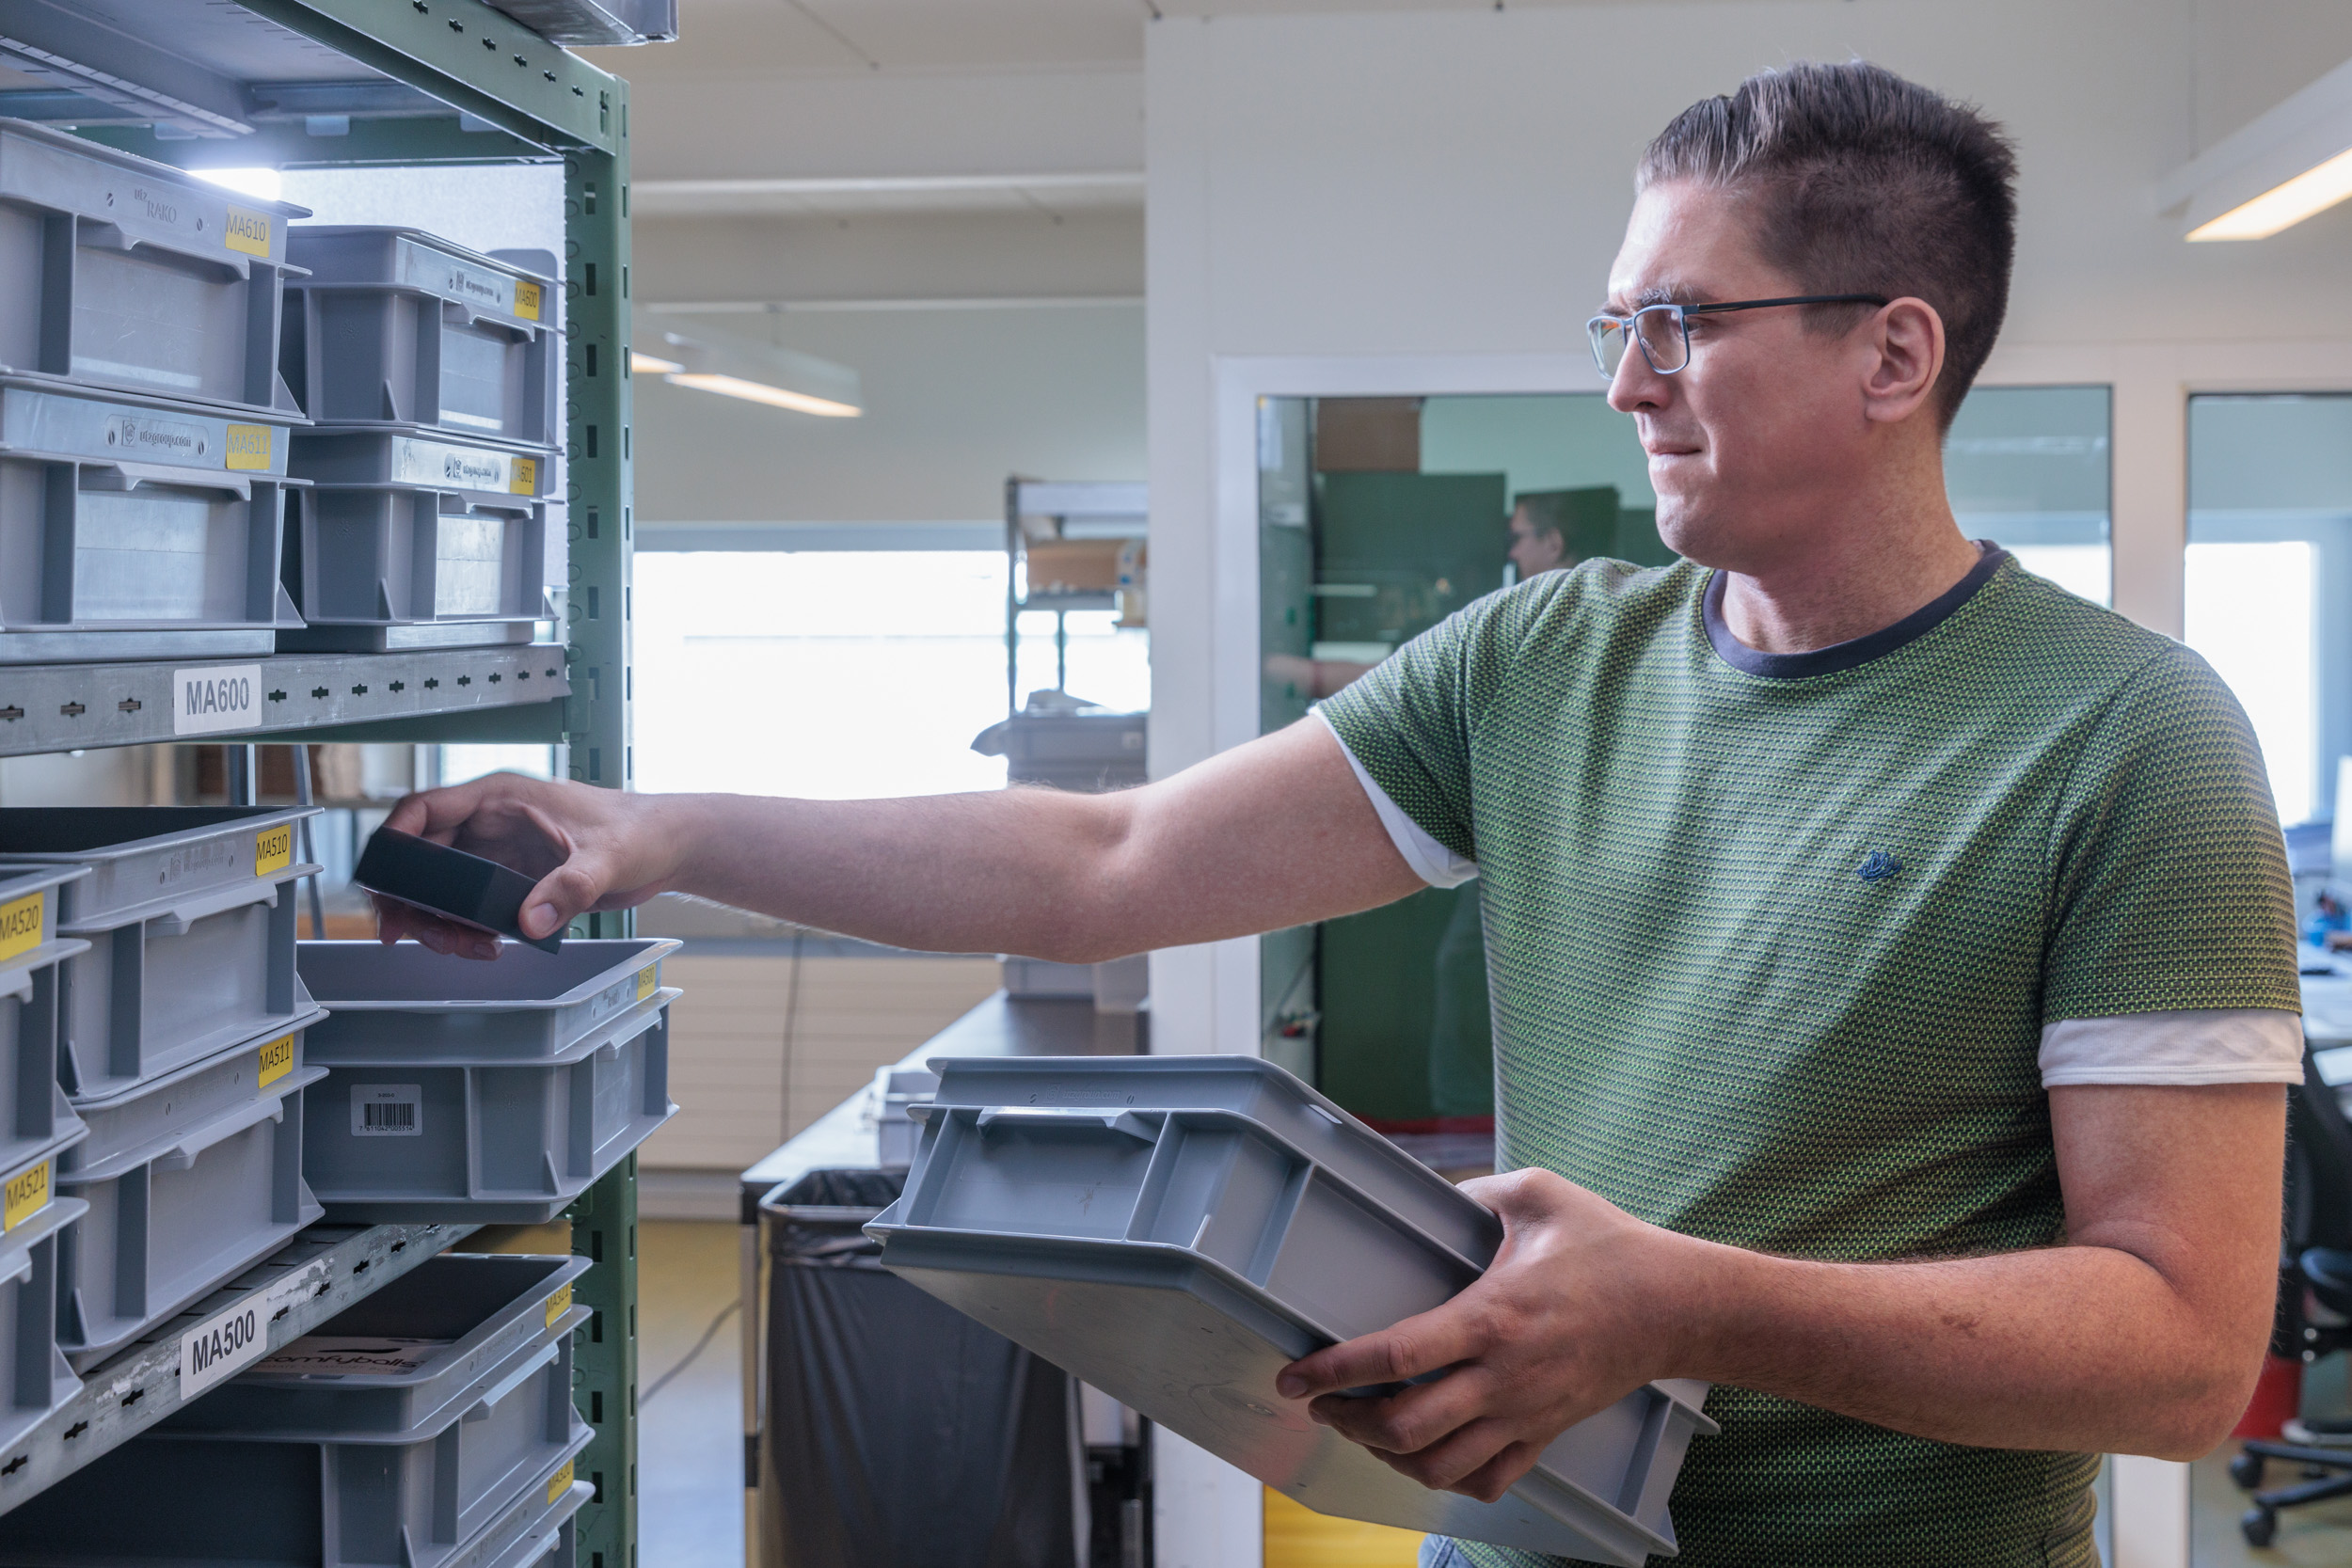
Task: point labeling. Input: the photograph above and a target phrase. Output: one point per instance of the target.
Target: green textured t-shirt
(1771, 940)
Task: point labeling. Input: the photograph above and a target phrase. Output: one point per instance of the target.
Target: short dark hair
(1864, 183)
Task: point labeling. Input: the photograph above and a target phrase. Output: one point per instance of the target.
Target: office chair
(2314, 1297)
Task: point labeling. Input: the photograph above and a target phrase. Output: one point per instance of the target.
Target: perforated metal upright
(356, 83)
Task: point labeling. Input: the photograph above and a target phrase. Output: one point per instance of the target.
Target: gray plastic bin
(134, 528)
(373, 568)
(490, 1093)
(34, 1377)
(1175, 1231)
(189, 915)
(476, 1487)
(133, 275)
(396, 327)
(34, 1112)
(190, 1178)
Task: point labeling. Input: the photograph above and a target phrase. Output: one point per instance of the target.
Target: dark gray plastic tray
(1175, 1231)
(34, 1112)
(485, 1309)
(189, 916)
(449, 882)
(490, 1093)
(129, 273)
(135, 527)
(398, 326)
(480, 1487)
(190, 1178)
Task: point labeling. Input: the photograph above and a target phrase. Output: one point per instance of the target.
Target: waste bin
(898, 1432)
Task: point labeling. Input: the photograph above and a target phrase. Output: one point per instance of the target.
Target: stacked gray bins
(1175, 1229)
(38, 1128)
(481, 1093)
(182, 1030)
(143, 429)
(432, 372)
(430, 1425)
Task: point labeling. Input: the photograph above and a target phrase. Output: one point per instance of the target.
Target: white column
(2151, 1499)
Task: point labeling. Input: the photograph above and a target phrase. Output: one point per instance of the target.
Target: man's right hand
(588, 848)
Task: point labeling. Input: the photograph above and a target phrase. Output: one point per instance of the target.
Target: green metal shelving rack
(356, 83)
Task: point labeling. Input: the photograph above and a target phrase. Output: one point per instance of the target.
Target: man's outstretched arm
(1276, 832)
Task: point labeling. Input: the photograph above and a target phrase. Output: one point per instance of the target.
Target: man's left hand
(1578, 1310)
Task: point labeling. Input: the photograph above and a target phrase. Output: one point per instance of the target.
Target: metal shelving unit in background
(294, 83)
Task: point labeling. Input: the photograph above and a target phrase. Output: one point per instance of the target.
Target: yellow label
(248, 232)
(277, 1060)
(559, 1304)
(272, 850)
(646, 982)
(525, 477)
(559, 1484)
(248, 447)
(527, 300)
(20, 923)
(27, 1195)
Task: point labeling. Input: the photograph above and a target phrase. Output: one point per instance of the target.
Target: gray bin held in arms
(191, 1179)
(483, 1093)
(396, 327)
(304, 1468)
(132, 275)
(132, 526)
(1175, 1229)
(189, 916)
(412, 540)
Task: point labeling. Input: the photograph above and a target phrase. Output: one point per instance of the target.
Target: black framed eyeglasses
(1663, 331)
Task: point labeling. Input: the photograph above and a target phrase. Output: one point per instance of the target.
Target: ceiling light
(2291, 162)
(755, 391)
(2314, 190)
(706, 359)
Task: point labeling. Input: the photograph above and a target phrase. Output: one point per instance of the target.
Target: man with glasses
(1892, 954)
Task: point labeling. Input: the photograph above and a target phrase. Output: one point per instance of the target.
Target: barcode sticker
(387, 1111)
(272, 850)
(559, 1304)
(647, 980)
(525, 480)
(21, 920)
(28, 1193)
(559, 1482)
(527, 300)
(277, 1060)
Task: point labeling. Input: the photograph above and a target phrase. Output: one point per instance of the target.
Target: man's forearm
(2076, 1347)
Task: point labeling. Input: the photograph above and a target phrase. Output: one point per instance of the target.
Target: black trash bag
(899, 1434)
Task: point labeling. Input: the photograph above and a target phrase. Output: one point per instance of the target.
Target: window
(841, 674)
(2026, 467)
(2269, 578)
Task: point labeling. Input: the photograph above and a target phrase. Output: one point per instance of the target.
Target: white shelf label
(222, 698)
(387, 1111)
(223, 1345)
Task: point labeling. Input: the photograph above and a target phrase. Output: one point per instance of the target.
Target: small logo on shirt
(1876, 866)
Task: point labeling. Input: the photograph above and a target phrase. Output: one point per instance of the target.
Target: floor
(2319, 1536)
(690, 1442)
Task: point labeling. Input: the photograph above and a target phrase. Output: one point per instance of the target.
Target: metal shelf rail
(357, 83)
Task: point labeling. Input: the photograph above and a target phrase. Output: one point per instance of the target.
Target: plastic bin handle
(175, 921)
(130, 475)
(1034, 1116)
(480, 1409)
(18, 1267)
(180, 1156)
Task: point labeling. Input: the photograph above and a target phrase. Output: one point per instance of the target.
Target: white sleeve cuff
(1430, 861)
(2213, 1045)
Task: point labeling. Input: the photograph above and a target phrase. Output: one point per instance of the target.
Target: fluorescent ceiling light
(2313, 191)
(2292, 162)
(704, 359)
(755, 391)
